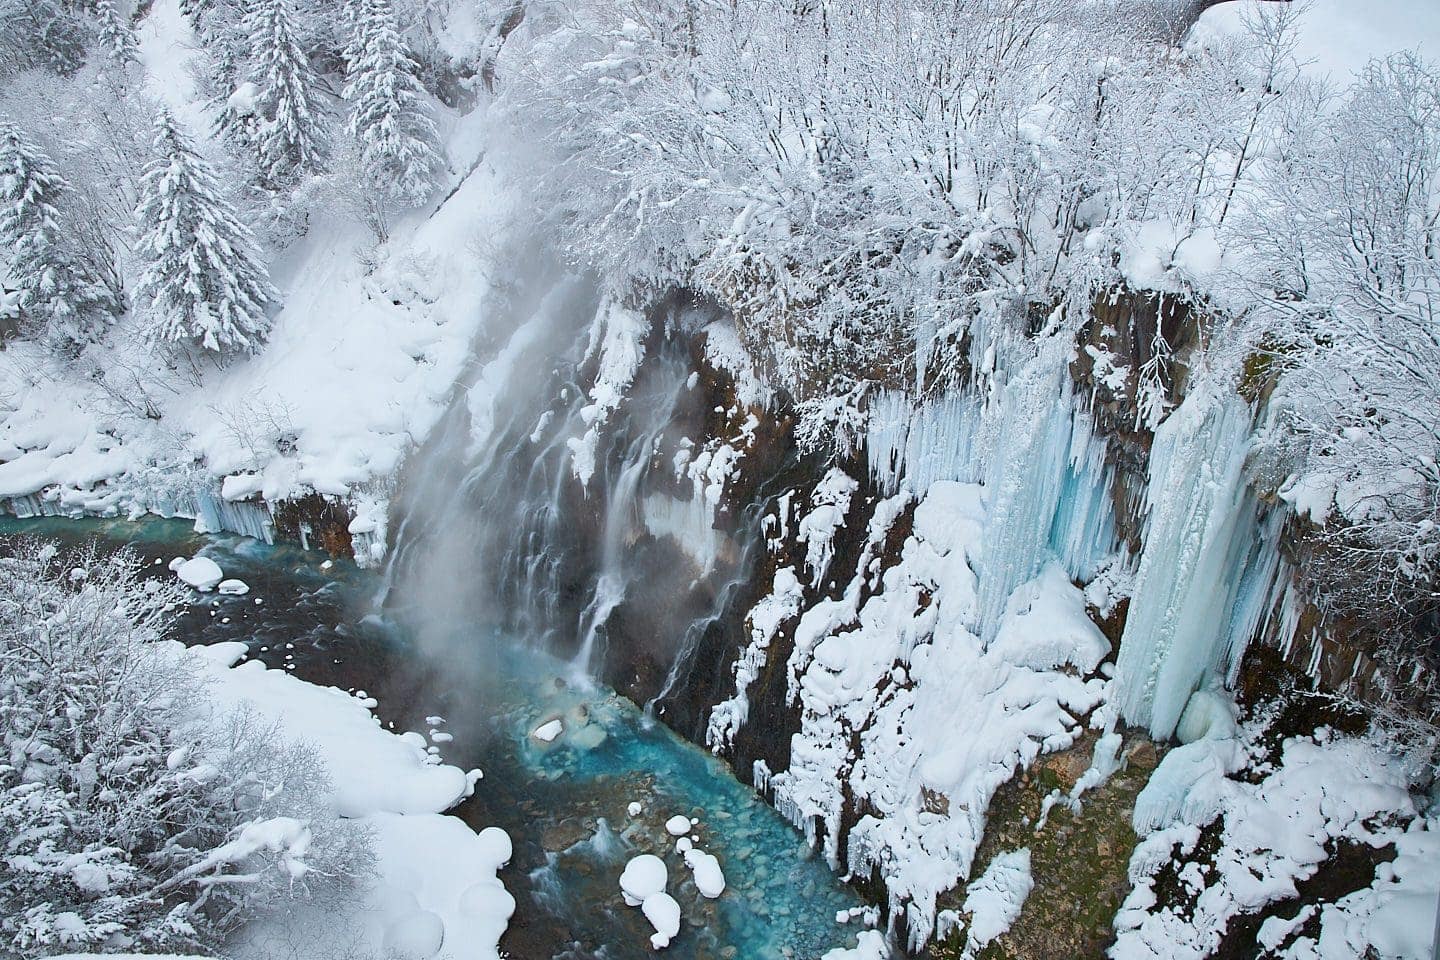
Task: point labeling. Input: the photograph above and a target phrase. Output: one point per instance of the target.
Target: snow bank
(359, 366)
(436, 878)
(373, 770)
(1338, 37)
(1273, 834)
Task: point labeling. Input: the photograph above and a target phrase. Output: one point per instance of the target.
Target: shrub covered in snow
(130, 820)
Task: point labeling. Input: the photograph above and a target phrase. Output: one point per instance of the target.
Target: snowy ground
(1276, 824)
(435, 893)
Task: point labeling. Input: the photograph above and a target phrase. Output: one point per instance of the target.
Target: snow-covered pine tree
(351, 13)
(115, 34)
(204, 275)
(60, 296)
(41, 33)
(196, 11)
(388, 116)
(290, 136)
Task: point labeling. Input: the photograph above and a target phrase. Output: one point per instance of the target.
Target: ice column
(1203, 563)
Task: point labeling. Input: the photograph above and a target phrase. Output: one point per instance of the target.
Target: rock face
(705, 567)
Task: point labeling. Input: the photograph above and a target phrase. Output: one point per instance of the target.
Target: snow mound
(644, 876)
(202, 573)
(678, 825)
(664, 915)
(415, 936)
(709, 878)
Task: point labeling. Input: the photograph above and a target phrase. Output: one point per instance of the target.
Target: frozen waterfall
(1208, 567)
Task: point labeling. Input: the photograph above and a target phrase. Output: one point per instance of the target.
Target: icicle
(1199, 543)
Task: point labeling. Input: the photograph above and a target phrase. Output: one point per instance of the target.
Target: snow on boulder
(233, 588)
(684, 844)
(677, 826)
(634, 809)
(415, 936)
(709, 878)
(643, 876)
(664, 915)
(871, 947)
(202, 573)
(548, 731)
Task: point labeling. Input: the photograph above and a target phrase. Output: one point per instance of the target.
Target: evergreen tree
(60, 293)
(115, 34)
(204, 274)
(290, 136)
(351, 13)
(41, 33)
(389, 117)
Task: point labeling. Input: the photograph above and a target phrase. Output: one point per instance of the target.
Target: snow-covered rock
(549, 730)
(664, 915)
(872, 946)
(233, 588)
(994, 899)
(644, 876)
(202, 573)
(709, 878)
(678, 825)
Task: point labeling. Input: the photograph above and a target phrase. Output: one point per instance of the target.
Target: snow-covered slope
(435, 885)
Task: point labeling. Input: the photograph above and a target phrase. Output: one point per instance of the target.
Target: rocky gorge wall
(885, 645)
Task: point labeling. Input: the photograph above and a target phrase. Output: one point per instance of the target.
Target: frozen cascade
(246, 517)
(1208, 569)
(1024, 477)
(913, 445)
(1044, 472)
(1082, 532)
(211, 513)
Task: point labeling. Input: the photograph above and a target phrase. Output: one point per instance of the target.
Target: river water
(565, 804)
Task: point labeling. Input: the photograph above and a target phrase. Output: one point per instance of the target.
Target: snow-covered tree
(132, 817)
(61, 296)
(290, 135)
(115, 34)
(203, 273)
(1341, 279)
(41, 33)
(388, 114)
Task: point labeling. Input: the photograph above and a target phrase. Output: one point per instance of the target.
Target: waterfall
(576, 482)
(1208, 567)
